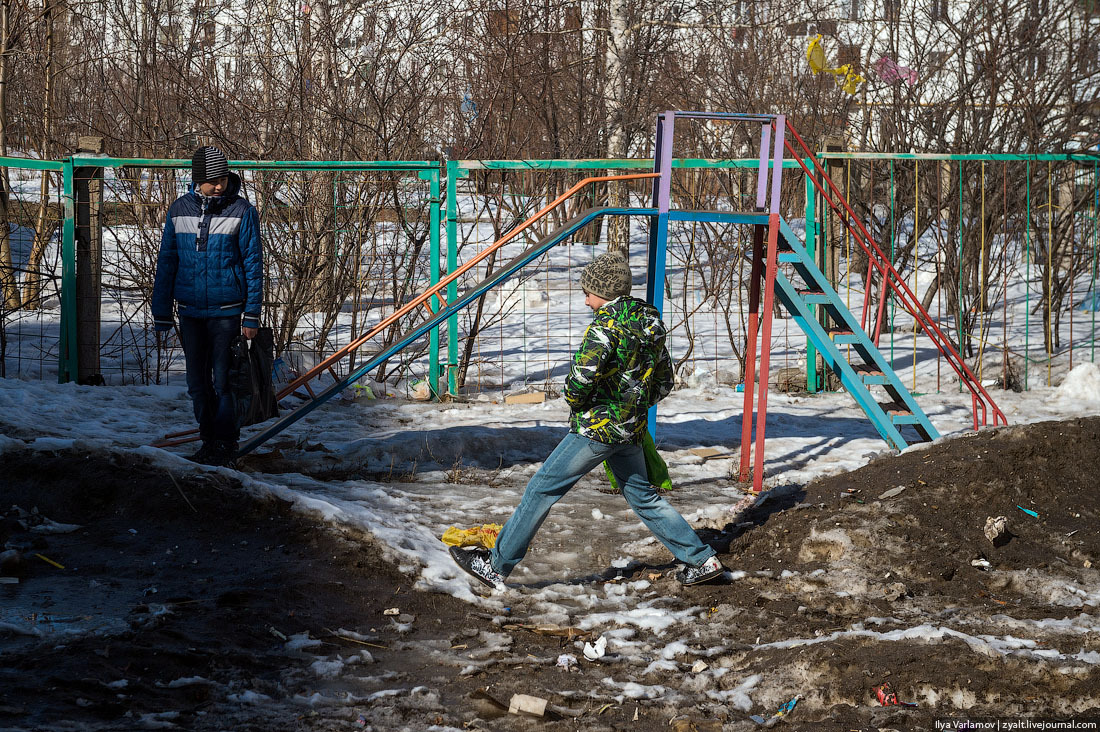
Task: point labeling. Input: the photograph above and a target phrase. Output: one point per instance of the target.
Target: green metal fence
(1004, 247)
(37, 269)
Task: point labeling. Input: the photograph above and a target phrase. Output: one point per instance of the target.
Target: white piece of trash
(527, 704)
(566, 661)
(995, 526)
(595, 651)
(699, 667)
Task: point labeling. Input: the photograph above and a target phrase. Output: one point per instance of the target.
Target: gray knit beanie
(607, 276)
(207, 164)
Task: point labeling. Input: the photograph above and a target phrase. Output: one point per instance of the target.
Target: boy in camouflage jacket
(621, 369)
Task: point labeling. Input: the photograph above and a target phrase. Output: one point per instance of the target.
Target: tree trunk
(9, 291)
(618, 227)
(32, 287)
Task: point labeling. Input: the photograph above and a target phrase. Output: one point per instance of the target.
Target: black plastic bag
(251, 377)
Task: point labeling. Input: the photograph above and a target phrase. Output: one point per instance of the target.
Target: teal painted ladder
(857, 379)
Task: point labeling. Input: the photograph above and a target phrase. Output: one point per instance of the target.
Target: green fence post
(66, 357)
(432, 176)
(454, 173)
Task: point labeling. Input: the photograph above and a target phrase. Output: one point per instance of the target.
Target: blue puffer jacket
(210, 261)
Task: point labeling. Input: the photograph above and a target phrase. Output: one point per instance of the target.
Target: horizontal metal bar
(732, 116)
(30, 164)
(611, 164)
(725, 217)
(962, 157)
(290, 165)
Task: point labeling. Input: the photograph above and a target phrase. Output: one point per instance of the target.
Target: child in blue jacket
(211, 265)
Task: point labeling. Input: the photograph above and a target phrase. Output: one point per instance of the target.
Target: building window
(573, 19)
(886, 131)
(891, 9)
(1090, 58)
(940, 11)
(854, 9)
(1035, 63)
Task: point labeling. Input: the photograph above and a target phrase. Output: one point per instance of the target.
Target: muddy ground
(187, 603)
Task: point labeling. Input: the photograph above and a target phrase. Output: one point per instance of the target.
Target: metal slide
(507, 271)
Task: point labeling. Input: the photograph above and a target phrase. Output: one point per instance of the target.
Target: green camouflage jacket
(621, 369)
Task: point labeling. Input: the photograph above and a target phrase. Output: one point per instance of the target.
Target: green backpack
(654, 465)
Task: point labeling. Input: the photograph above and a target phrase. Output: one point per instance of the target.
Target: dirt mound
(921, 518)
(885, 575)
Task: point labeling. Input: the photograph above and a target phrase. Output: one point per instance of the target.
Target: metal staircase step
(869, 374)
(844, 337)
(899, 413)
(814, 297)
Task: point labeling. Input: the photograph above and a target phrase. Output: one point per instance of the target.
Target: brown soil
(235, 574)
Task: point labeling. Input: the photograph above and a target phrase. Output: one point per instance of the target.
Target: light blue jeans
(569, 462)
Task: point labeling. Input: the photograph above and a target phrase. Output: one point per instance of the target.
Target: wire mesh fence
(31, 216)
(344, 246)
(1001, 249)
(522, 336)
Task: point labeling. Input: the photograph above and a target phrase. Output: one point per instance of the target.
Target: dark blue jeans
(206, 343)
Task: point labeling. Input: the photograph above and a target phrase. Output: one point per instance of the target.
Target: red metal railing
(892, 280)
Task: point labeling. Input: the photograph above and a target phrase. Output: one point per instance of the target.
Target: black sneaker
(223, 454)
(709, 570)
(203, 453)
(475, 562)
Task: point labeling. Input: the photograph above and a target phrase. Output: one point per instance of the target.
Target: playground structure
(767, 283)
(802, 296)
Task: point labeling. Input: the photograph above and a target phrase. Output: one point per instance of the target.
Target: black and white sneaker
(709, 570)
(475, 562)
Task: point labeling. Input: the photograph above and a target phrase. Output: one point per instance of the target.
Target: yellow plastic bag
(484, 536)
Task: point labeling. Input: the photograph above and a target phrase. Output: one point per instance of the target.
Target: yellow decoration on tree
(846, 78)
(815, 54)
